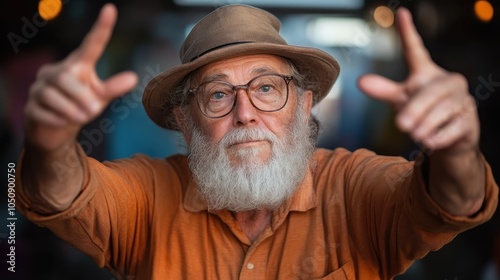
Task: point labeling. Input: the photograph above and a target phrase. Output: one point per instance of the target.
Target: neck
(253, 223)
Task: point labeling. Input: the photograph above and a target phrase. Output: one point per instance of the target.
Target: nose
(244, 113)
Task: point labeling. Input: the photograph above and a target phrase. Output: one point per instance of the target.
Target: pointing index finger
(96, 40)
(417, 55)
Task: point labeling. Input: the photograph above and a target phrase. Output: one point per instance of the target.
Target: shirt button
(250, 266)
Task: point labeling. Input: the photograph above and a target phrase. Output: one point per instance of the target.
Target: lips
(248, 142)
(247, 136)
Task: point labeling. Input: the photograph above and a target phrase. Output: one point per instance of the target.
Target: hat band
(218, 47)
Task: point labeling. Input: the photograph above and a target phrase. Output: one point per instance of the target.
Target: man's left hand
(434, 106)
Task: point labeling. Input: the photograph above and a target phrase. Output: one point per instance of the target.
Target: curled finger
(77, 91)
(52, 99)
(426, 98)
(459, 133)
(38, 114)
(435, 119)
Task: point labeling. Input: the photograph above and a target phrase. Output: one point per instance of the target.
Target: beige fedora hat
(230, 31)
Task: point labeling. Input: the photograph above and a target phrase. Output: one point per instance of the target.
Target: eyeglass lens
(266, 92)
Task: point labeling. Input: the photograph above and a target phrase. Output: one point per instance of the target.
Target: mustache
(240, 135)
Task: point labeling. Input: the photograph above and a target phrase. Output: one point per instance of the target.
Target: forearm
(52, 179)
(457, 181)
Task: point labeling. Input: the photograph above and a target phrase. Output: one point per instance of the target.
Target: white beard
(251, 184)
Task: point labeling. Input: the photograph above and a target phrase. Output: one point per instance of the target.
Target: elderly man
(253, 199)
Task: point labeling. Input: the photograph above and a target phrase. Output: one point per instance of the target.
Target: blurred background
(462, 36)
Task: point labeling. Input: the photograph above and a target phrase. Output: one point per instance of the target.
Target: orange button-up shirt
(355, 216)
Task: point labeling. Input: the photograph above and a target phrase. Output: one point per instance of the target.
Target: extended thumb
(384, 89)
(119, 84)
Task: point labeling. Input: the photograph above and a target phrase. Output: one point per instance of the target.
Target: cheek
(281, 123)
(277, 126)
(215, 129)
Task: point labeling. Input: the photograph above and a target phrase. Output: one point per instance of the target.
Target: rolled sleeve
(432, 217)
(33, 213)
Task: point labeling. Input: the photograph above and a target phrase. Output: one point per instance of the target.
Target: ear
(182, 123)
(308, 102)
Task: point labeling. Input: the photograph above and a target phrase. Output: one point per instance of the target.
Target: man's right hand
(69, 94)
(66, 96)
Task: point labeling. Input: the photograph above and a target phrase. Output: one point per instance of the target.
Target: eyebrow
(262, 70)
(221, 76)
(214, 77)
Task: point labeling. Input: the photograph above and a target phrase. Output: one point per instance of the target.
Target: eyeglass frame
(235, 88)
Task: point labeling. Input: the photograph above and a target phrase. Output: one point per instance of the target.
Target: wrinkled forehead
(242, 66)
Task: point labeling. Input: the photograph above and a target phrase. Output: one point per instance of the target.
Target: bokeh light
(483, 10)
(49, 9)
(383, 16)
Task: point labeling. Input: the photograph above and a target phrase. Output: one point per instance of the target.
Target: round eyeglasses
(267, 93)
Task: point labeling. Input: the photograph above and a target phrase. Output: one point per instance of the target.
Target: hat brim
(320, 68)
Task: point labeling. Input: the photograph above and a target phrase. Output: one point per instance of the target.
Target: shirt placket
(255, 262)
